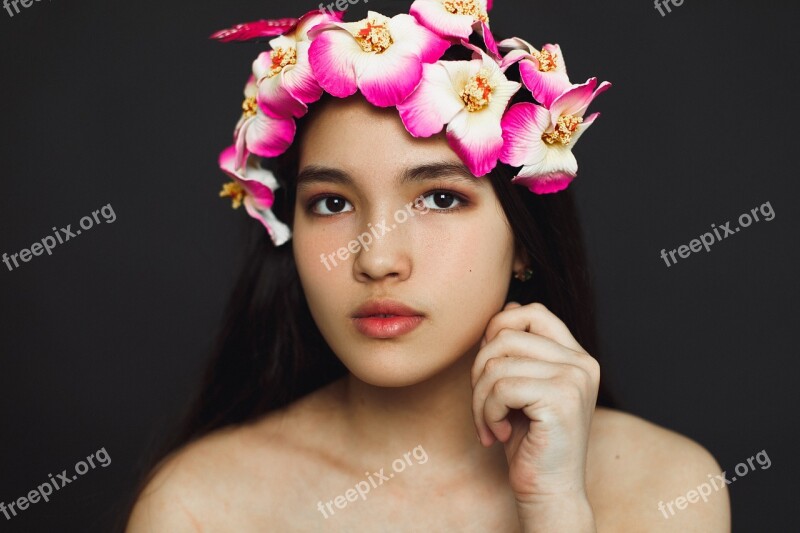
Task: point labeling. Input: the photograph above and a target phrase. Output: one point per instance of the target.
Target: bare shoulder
(236, 477)
(645, 477)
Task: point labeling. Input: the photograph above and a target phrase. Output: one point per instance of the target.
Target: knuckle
(576, 374)
(505, 333)
(538, 306)
(500, 387)
(593, 367)
(493, 365)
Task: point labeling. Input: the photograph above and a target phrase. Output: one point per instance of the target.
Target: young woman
(421, 356)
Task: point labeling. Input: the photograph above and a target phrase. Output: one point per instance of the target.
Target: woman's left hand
(535, 389)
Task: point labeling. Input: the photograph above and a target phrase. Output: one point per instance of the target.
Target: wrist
(571, 513)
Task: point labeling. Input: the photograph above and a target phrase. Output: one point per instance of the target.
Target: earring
(525, 276)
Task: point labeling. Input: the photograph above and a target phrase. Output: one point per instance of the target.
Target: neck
(385, 422)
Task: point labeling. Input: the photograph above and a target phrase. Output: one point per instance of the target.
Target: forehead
(360, 139)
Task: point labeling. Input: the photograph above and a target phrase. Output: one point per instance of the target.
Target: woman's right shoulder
(211, 482)
(191, 488)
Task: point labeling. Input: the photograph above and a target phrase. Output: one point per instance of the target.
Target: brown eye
(443, 201)
(329, 205)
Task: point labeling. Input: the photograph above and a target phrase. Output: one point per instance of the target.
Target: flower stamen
(249, 107)
(466, 7)
(477, 93)
(235, 192)
(281, 57)
(547, 61)
(374, 37)
(565, 127)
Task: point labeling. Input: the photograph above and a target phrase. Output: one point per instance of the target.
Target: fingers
(513, 342)
(500, 372)
(535, 318)
(529, 360)
(506, 394)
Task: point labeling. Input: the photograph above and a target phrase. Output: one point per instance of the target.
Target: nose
(388, 255)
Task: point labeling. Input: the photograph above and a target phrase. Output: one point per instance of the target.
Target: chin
(400, 368)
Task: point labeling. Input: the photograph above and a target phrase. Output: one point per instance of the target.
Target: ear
(521, 259)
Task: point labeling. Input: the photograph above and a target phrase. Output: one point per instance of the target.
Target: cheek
(468, 271)
(315, 277)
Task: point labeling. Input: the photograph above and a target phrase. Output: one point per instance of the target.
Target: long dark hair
(269, 351)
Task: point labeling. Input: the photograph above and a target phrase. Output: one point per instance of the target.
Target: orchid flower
(380, 56)
(254, 187)
(543, 71)
(541, 139)
(259, 133)
(283, 74)
(451, 18)
(470, 97)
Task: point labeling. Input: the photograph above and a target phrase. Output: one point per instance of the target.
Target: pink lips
(385, 319)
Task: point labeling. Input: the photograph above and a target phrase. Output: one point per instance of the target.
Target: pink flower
(470, 97)
(258, 29)
(453, 19)
(254, 187)
(259, 133)
(285, 80)
(378, 55)
(543, 71)
(541, 140)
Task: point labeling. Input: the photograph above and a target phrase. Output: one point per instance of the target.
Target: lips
(386, 319)
(385, 309)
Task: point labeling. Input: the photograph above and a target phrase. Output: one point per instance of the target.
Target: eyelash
(463, 202)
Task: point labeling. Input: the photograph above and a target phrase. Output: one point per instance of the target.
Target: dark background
(102, 343)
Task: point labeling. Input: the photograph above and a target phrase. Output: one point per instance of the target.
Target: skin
(544, 458)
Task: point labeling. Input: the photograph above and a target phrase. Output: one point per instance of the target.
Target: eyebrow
(449, 171)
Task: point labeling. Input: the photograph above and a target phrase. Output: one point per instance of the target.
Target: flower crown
(395, 62)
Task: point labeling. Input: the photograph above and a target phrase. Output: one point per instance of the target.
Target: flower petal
(311, 19)
(410, 35)
(515, 43)
(255, 30)
(267, 136)
(387, 79)
(256, 180)
(273, 97)
(227, 162)
(547, 168)
(436, 18)
(477, 139)
(544, 86)
(299, 79)
(278, 231)
(523, 125)
(547, 184)
(575, 100)
(333, 56)
(435, 101)
(489, 40)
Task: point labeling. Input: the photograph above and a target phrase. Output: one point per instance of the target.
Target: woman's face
(381, 215)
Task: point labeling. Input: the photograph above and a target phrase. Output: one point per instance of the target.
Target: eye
(443, 200)
(333, 204)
